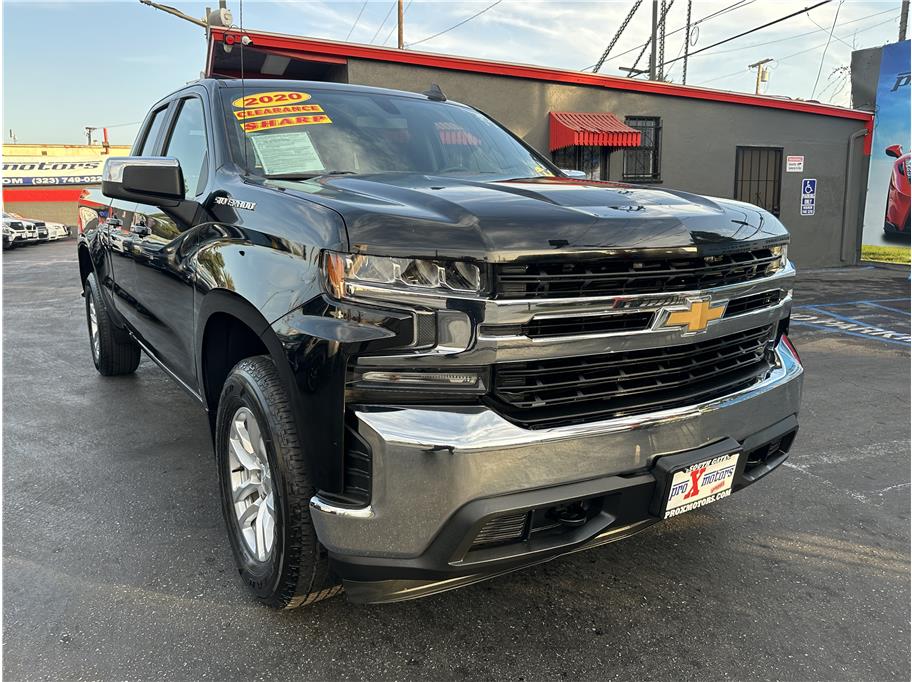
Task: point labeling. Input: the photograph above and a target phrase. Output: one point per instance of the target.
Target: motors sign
(30, 171)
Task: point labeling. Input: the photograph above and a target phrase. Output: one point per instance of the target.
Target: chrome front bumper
(430, 462)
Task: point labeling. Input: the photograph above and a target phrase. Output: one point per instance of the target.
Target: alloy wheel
(252, 493)
(93, 328)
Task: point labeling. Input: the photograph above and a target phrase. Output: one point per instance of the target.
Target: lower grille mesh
(556, 392)
(502, 529)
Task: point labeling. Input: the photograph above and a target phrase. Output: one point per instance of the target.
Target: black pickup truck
(428, 355)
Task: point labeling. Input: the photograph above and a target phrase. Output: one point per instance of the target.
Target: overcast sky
(67, 65)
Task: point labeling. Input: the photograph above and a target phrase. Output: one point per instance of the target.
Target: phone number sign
(44, 170)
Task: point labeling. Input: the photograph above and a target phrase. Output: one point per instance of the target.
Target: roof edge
(529, 71)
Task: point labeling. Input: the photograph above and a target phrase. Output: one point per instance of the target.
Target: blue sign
(808, 196)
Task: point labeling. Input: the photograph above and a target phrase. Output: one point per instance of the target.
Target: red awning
(590, 129)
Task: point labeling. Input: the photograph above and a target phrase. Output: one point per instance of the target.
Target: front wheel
(114, 352)
(266, 489)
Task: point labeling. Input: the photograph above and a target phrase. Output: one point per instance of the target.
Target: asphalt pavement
(116, 564)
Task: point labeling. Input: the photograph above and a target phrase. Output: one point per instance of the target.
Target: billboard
(886, 218)
(43, 171)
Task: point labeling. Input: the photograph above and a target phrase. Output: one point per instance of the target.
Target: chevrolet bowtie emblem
(697, 316)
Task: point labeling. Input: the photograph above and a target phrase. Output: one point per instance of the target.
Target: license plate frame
(675, 475)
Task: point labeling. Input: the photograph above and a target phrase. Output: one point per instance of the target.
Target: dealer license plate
(700, 484)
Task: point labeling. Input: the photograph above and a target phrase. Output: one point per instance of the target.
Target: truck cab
(429, 356)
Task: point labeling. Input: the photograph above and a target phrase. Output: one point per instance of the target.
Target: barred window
(642, 163)
(758, 176)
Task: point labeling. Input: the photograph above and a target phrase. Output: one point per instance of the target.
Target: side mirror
(575, 174)
(155, 180)
(894, 150)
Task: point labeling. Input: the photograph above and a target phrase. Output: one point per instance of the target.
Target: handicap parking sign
(808, 196)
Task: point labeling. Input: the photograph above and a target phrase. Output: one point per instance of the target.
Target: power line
(826, 47)
(464, 21)
(383, 23)
(795, 54)
(621, 28)
(652, 66)
(822, 28)
(753, 30)
(725, 10)
(388, 35)
(118, 125)
(799, 35)
(357, 19)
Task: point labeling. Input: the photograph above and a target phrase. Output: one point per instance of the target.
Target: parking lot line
(884, 307)
(823, 318)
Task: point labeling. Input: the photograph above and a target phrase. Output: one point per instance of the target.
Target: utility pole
(401, 27)
(762, 73)
(652, 51)
(903, 19)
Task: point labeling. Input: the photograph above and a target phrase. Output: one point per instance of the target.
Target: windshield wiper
(308, 175)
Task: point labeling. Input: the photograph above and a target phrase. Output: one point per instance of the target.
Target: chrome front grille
(624, 276)
(580, 325)
(560, 391)
(748, 304)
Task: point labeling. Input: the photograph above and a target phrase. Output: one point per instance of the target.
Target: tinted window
(188, 145)
(155, 126)
(316, 132)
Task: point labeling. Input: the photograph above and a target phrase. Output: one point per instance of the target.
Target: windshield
(304, 133)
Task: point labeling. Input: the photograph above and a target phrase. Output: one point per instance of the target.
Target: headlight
(341, 271)
(782, 252)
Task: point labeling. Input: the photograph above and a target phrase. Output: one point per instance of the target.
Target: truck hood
(412, 214)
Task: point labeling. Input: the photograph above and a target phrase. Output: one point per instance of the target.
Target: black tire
(116, 352)
(296, 571)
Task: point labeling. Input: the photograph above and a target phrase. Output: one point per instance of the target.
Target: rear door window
(152, 132)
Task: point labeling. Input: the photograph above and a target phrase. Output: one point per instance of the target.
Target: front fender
(317, 341)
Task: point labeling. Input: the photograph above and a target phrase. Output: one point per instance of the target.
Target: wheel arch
(85, 262)
(229, 329)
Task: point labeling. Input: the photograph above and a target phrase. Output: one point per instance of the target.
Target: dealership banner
(43, 171)
(886, 220)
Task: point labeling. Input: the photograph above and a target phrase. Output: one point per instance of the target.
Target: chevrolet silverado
(429, 356)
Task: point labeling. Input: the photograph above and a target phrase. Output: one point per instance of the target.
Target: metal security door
(758, 177)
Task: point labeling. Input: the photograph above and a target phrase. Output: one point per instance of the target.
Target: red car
(896, 218)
